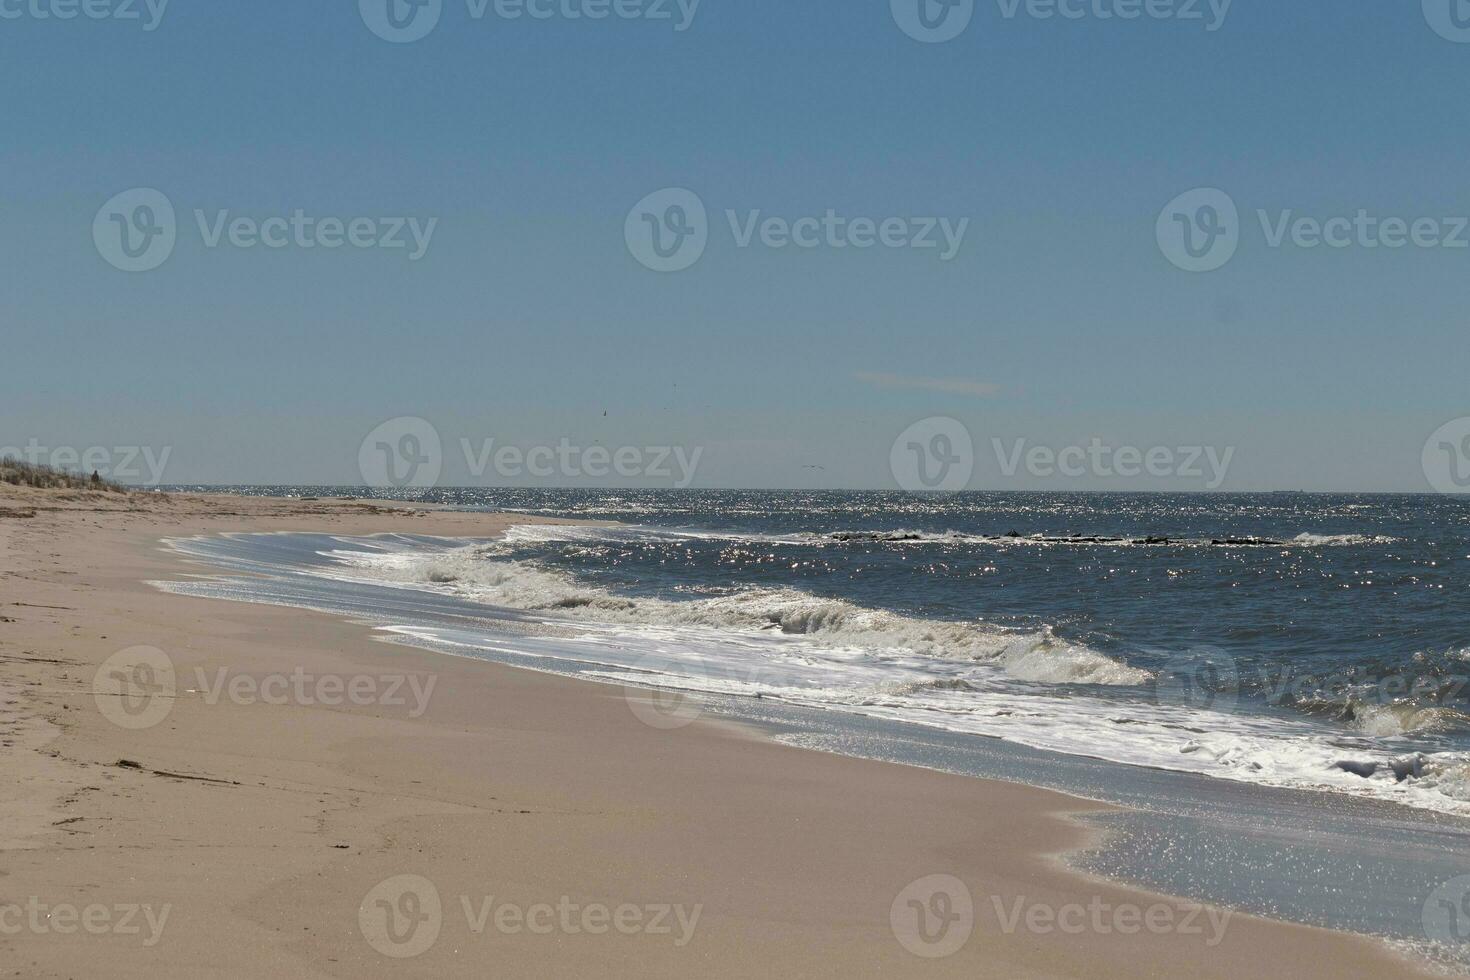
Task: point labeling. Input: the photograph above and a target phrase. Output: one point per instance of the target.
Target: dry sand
(264, 827)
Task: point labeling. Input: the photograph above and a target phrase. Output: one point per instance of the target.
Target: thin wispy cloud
(949, 386)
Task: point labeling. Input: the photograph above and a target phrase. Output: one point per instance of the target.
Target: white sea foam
(1034, 656)
(1307, 540)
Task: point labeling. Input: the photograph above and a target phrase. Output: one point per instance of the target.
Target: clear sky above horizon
(530, 318)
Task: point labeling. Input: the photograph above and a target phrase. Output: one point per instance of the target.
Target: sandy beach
(382, 810)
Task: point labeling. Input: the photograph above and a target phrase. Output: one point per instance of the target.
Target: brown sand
(263, 827)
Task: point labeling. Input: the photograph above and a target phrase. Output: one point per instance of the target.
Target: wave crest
(1037, 656)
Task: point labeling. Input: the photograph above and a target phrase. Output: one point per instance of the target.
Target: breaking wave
(1038, 656)
(1388, 720)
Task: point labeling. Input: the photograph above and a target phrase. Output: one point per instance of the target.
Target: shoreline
(265, 826)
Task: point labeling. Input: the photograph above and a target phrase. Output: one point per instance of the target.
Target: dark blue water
(1397, 584)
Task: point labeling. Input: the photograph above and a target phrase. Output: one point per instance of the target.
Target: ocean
(1311, 651)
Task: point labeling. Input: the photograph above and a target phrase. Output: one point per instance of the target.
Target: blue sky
(1059, 320)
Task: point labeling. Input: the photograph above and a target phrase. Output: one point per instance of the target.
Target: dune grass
(22, 474)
